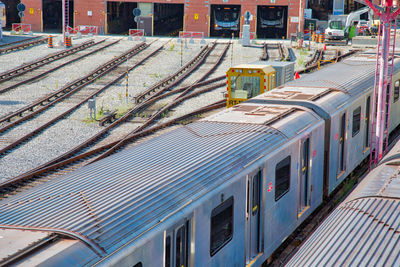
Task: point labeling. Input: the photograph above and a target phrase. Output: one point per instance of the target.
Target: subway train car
(226, 18)
(272, 17)
(224, 191)
(3, 14)
(364, 230)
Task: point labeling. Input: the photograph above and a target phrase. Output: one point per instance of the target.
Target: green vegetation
(123, 109)
(348, 185)
(301, 60)
(155, 75)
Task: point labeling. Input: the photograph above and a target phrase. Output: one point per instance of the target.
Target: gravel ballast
(76, 128)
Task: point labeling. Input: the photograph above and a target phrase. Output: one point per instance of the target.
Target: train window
(282, 178)
(138, 265)
(396, 90)
(356, 121)
(244, 87)
(180, 248)
(221, 226)
(168, 251)
(367, 114)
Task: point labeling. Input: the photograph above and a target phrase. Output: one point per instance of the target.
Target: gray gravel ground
(76, 128)
(19, 97)
(19, 57)
(73, 130)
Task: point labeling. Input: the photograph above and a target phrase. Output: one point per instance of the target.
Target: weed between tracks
(300, 63)
(348, 185)
(120, 110)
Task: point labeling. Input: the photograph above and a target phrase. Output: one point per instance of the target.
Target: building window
(221, 226)
(396, 91)
(356, 121)
(282, 178)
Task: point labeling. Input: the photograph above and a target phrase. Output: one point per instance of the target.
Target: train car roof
(331, 87)
(365, 229)
(115, 201)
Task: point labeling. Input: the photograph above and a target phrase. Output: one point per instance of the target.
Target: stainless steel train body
(224, 191)
(364, 229)
(226, 18)
(3, 15)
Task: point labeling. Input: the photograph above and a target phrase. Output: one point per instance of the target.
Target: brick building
(196, 15)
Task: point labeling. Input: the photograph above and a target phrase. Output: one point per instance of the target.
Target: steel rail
(57, 67)
(31, 248)
(315, 65)
(122, 119)
(177, 100)
(23, 45)
(177, 76)
(280, 51)
(47, 168)
(103, 132)
(24, 68)
(74, 151)
(20, 41)
(265, 55)
(68, 90)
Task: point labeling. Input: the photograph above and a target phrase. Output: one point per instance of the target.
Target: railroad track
(24, 68)
(317, 56)
(184, 95)
(177, 77)
(20, 46)
(314, 63)
(71, 88)
(19, 41)
(140, 107)
(41, 67)
(71, 157)
(36, 177)
(274, 51)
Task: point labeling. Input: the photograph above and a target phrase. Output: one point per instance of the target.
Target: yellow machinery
(248, 80)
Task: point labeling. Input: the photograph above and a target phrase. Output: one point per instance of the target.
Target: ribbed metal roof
(351, 76)
(343, 76)
(362, 232)
(116, 200)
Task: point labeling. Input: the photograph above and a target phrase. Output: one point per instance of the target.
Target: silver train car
(3, 18)
(364, 230)
(224, 191)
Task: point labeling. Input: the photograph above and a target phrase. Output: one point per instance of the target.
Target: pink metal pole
(63, 20)
(381, 104)
(386, 17)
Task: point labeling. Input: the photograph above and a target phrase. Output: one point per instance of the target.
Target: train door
(367, 115)
(254, 185)
(176, 246)
(304, 175)
(341, 165)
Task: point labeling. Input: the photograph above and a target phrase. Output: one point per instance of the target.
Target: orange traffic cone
(324, 47)
(296, 76)
(50, 42)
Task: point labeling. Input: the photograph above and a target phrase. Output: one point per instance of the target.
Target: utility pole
(383, 78)
(301, 12)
